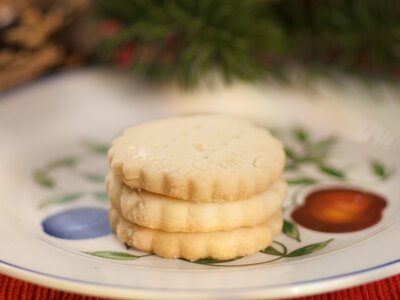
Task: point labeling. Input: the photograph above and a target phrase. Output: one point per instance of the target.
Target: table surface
(11, 288)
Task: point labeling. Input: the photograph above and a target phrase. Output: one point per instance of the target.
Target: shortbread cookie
(217, 245)
(160, 212)
(198, 158)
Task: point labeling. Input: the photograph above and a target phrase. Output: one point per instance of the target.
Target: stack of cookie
(206, 186)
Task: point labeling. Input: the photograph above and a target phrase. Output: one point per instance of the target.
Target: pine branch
(190, 39)
(352, 36)
(185, 40)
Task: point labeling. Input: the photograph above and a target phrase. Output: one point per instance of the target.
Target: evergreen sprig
(186, 40)
(356, 36)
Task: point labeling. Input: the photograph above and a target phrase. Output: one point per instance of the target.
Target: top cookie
(200, 158)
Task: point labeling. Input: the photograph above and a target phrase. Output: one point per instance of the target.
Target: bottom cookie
(219, 245)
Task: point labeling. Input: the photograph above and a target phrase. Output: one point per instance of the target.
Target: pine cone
(35, 36)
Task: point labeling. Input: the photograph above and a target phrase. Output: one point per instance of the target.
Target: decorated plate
(341, 213)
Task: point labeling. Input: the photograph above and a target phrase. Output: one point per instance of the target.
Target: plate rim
(294, 289)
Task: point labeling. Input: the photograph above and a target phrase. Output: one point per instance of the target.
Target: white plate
(73, 115)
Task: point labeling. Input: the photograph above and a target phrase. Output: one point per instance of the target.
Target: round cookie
(220, 245)
(201, 158)
(168, 214)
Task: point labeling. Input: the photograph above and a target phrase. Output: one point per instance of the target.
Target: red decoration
(123, 58)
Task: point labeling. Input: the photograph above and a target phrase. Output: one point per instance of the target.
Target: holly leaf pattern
(43, 178)
(305, 250)
(379, 170)
(290, 153)
(211, 261)
(301, 181)
(116, 255)
(65, 162)
(290, 230)
(101, 196)
(300, 134)
(324, 145)
(96, 148)
(97, 178)
(60, 199)
(272, 251)
(331, 171)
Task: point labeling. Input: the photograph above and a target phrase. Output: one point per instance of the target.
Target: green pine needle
(199, 37)
(187, 40)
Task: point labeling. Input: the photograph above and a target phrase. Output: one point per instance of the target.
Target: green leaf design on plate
(331, 171)
(300, 134)
(290, 230)
(65, 162)
(210, 261)
(97, 178)
(95, 147)
(43, 178)
(324, 144)
(301, 181)
(60, 199)
(290, 153)
(113, 255)
(311, 152)
(272, 251)
(309, 249)
(101, 196)
(291, 159)
(379, 170)
(315, 159)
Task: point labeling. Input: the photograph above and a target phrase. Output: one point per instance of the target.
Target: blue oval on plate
(77, 224)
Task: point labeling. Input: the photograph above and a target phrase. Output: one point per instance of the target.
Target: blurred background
(190, 43)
